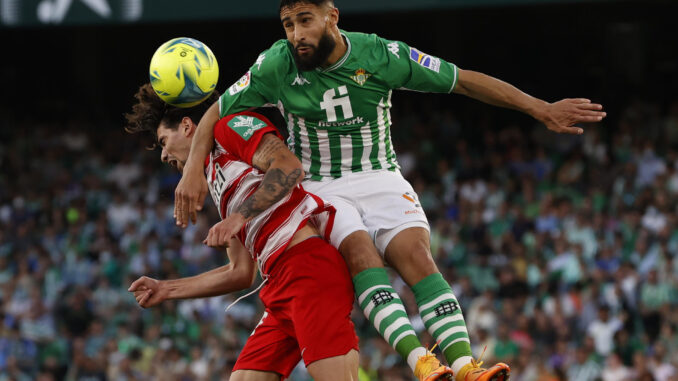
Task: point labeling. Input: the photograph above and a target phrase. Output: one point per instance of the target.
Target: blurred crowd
(562, 251)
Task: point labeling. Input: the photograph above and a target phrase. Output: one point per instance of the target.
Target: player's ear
(332, 15)
(187, 126)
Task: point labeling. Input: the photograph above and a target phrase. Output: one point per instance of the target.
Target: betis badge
(360, 76)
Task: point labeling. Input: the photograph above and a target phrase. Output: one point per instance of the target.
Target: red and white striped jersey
(231, 179)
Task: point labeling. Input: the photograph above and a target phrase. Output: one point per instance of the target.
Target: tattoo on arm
(275, 185)
(265, 153)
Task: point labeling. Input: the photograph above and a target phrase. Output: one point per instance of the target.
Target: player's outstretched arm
(238, 275)
(561, 116)
(283, 172)
(189, 195)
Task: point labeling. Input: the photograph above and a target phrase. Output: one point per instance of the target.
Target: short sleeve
(241, 133)
(412, 69)
(259, 85)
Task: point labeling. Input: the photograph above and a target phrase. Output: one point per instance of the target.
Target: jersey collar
(342, 60)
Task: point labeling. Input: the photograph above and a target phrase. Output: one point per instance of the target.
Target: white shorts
(382, 203)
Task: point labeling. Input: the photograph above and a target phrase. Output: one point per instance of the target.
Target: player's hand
(221, 233)
(189, 197)
(148, 292)
(562, 116)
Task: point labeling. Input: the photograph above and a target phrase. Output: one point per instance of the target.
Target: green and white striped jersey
(339, 117)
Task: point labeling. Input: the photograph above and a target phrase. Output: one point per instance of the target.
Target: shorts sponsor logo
(245, 126)
(446, 308)
(425, 60)
(241, 84)
(415, 211)
(411, 197)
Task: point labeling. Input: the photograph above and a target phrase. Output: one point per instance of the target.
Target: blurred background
(562, 250)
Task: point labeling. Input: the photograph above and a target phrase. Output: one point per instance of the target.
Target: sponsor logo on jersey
(331, 102)
(423, 59)
(394, 48)
(360, 76)
(260, 60)
(218, 182)
(350, 122)
(245, 126)
(240, 85)
(299, 80)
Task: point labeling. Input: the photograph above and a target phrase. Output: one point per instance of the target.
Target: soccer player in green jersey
(334, 89)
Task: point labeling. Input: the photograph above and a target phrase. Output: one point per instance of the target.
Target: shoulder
(371, 45)
(363, 42)
(275, 60)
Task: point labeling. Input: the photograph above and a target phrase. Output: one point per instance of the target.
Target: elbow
(298, 170)
(461, 87)
(292, 169)
(243, 277)
(302, 174)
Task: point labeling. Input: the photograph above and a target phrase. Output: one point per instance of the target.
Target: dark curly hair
(289, 3)
(150, 111)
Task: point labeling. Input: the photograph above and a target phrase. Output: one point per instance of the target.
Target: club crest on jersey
(425, 60)
(245, 125)
(360, 76)
(242, 83)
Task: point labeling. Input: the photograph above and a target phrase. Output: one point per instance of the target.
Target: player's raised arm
(412, 69)
(239, 274)
(189, 195)
(283, 172)
(560, 116)
(254, 89)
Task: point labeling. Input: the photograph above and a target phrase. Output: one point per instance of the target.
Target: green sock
(442, 317)
(384, 309)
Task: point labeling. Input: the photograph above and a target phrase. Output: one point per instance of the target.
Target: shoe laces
(429, 361)
(476, 364)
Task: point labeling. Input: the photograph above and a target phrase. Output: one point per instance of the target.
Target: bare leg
(338, 368)
(377, 298)
(254, 375)
(359, 252)
(410, 254)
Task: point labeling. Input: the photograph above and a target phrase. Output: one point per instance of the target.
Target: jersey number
(330, 104)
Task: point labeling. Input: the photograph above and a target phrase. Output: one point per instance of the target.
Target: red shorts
(308, 299)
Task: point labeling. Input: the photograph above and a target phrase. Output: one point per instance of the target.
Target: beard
(318, 55)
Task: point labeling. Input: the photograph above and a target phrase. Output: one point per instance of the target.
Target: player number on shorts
(330, 103)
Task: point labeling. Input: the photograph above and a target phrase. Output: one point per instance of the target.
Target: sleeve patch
(425, 60)
(240, 85)
(245, 125)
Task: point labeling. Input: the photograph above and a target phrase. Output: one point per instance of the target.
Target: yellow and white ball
(184, 72)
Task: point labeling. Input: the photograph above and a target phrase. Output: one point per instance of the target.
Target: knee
(359, 252)
(415, 251)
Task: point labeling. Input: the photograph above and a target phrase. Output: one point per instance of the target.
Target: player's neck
(339, 49)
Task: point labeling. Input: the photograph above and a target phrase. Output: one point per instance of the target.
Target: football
(183, 72)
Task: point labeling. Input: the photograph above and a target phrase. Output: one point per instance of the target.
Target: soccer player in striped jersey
(267, 218)
(334, 89)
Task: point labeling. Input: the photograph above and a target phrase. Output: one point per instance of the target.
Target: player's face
(307, 28)
(175, 144)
